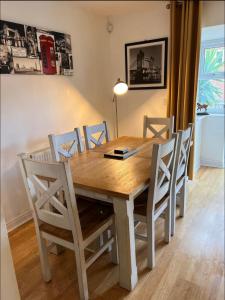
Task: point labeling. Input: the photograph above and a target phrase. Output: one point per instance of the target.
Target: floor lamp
(119, 88)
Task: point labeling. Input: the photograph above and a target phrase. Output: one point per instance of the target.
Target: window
(211, 76)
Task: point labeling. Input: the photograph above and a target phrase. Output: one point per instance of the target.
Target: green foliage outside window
(211, 86)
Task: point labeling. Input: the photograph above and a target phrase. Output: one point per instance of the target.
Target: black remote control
(121, 151)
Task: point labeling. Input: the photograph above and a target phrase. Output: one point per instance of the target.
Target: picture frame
(28, 50)
(146, 64)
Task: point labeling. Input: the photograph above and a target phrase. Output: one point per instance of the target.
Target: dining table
(118, 182)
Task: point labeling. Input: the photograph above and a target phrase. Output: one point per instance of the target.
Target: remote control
(121, 151)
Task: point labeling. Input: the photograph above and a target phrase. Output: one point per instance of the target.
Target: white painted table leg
(126, 243)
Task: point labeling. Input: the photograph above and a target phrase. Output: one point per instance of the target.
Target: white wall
(213, 13)
(151, 24)
(212, 141)
(198, 142)
(32, 106)
(209, 142)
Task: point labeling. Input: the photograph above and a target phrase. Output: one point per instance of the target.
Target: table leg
(126, 242)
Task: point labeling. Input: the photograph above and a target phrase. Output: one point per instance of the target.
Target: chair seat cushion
(93, 215)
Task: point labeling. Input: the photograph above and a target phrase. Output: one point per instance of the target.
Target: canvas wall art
(29, 50)
(146, 64)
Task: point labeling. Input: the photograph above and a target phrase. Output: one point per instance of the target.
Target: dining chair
(167, 123)
(179, 186)
(91, 132)
(46, 154)
(65, 226)
(43, 154)
(155, 202)
(65, 145)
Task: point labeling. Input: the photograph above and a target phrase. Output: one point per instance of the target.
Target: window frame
(216, 43)
(206, 45)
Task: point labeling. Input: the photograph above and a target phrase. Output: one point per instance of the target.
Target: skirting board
(212, 163)
(19, 220)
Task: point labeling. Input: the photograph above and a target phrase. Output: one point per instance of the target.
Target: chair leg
(97, 243)
(100, 240)
(168, 222)
(105, 237)
(183, 198)
(114, 253)
(82, 275)
(46, 272)
(173, 214)
(151, 243)
(56, 249)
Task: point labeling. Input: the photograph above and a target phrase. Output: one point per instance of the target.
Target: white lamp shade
(120, 88)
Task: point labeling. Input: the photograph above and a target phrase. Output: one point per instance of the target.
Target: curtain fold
(185, 33)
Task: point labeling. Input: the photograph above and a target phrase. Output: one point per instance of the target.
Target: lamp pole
(119, 88)
(116, 111)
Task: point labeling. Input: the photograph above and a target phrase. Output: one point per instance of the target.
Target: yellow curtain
(185, 37)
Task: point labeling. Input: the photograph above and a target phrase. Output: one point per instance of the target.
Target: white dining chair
(64, 225)
(179, 187)
(156, 201)
(45, 155)
(65, 145)
(167, 123)
(91, 132)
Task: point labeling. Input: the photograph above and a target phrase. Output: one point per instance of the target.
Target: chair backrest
(65, 145)
(167, 123)
(162, 169)
(183, 150)
(44, 154)
(101, 130)
(43, 198)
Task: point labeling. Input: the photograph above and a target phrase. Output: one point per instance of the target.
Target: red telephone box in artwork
(47, 54)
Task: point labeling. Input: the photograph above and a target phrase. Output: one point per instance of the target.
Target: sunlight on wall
(33, 106)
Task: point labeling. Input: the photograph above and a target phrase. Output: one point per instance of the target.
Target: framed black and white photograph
(146, 64)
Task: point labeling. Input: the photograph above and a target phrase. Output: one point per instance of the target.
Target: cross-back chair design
(179, 189)
(44, 154)
(150, 205)
(90, 131)
(64, 225)
(168, 126)
(65, 145)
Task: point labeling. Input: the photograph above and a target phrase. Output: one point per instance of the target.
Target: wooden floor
(190, 267)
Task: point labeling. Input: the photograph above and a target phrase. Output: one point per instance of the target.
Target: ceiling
(109, 8)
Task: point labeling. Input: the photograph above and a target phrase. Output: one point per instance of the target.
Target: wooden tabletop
(118, 178)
